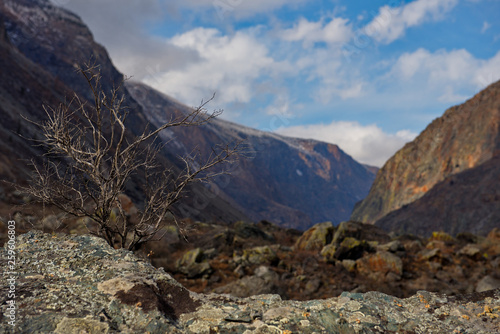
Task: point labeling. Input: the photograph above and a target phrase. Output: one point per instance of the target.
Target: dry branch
(90, 157)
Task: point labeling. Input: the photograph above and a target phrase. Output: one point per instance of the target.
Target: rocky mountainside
(289, 181)
(293, 182)
(79, 284)
(465, 137)
(467, 201)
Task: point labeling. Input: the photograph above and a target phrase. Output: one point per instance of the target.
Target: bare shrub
(91, 155)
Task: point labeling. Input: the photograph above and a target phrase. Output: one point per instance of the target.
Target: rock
(266, 273)
(392, 246)
(316, 237)
(349, 265)
(249, 230)
(380, 264)
(442, 236)
(50, 222)
(260, 255)
(359, 231)
(494, 235)
(312, 286)
(429, 254)
(487, 283)
(81, 325)
(351, 248)
(471, 250)
(262, 282)
(193, 264)
(328, 253)
(78, 284)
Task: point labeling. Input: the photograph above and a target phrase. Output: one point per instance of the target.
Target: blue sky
(366, 75)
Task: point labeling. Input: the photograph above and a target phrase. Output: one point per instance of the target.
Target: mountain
(292, 182)
(446, 178)
(463, 202)
(40, 47)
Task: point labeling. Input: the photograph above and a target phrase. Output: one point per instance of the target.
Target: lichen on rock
(74, 284)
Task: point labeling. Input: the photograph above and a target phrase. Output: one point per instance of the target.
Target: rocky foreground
(245, 259)
(78, 284)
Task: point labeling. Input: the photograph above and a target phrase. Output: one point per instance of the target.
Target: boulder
(259, 255)
(487, 283)
(471, 250)
(328, 253)
(316, 237)
(351, 248)
(349, 265)
(379, 265)
(442, 236)
(248, 230)
(193, 264)
(264, 281)
(359, 231)
(393, 246)
(430, 254)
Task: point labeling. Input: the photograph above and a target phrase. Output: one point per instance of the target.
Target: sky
(366, 75)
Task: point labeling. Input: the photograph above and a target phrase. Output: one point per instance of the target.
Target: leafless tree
(90, 157)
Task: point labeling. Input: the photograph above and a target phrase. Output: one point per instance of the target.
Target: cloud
(228, 65)
(446, 73)
(338, 30)
(226, 9)
(392, 22)
(119, 25)
(485, 27)
(366, 144)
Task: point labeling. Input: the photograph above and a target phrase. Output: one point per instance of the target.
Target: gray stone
(487, 283)
(471, 250)
(78, 284)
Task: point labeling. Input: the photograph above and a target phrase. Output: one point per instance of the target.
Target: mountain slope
(40, 44)
(466, 136)
(289, 181)
(465, 202)
(292, 182)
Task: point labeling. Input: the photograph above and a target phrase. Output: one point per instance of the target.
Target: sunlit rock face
(465, 137)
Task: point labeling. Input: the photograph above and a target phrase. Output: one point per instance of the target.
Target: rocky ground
(245, 259)
(78, 284)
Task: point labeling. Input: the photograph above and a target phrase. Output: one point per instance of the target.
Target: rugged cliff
(75, 284)
(466, 136)
(468, 201)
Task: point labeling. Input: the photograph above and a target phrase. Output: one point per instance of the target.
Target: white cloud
(391, 23)
(446, 72)
(338, 30)
(366, 144)
(485, 27)
(228, 65)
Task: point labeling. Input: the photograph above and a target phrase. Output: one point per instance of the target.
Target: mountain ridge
(284, 198)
